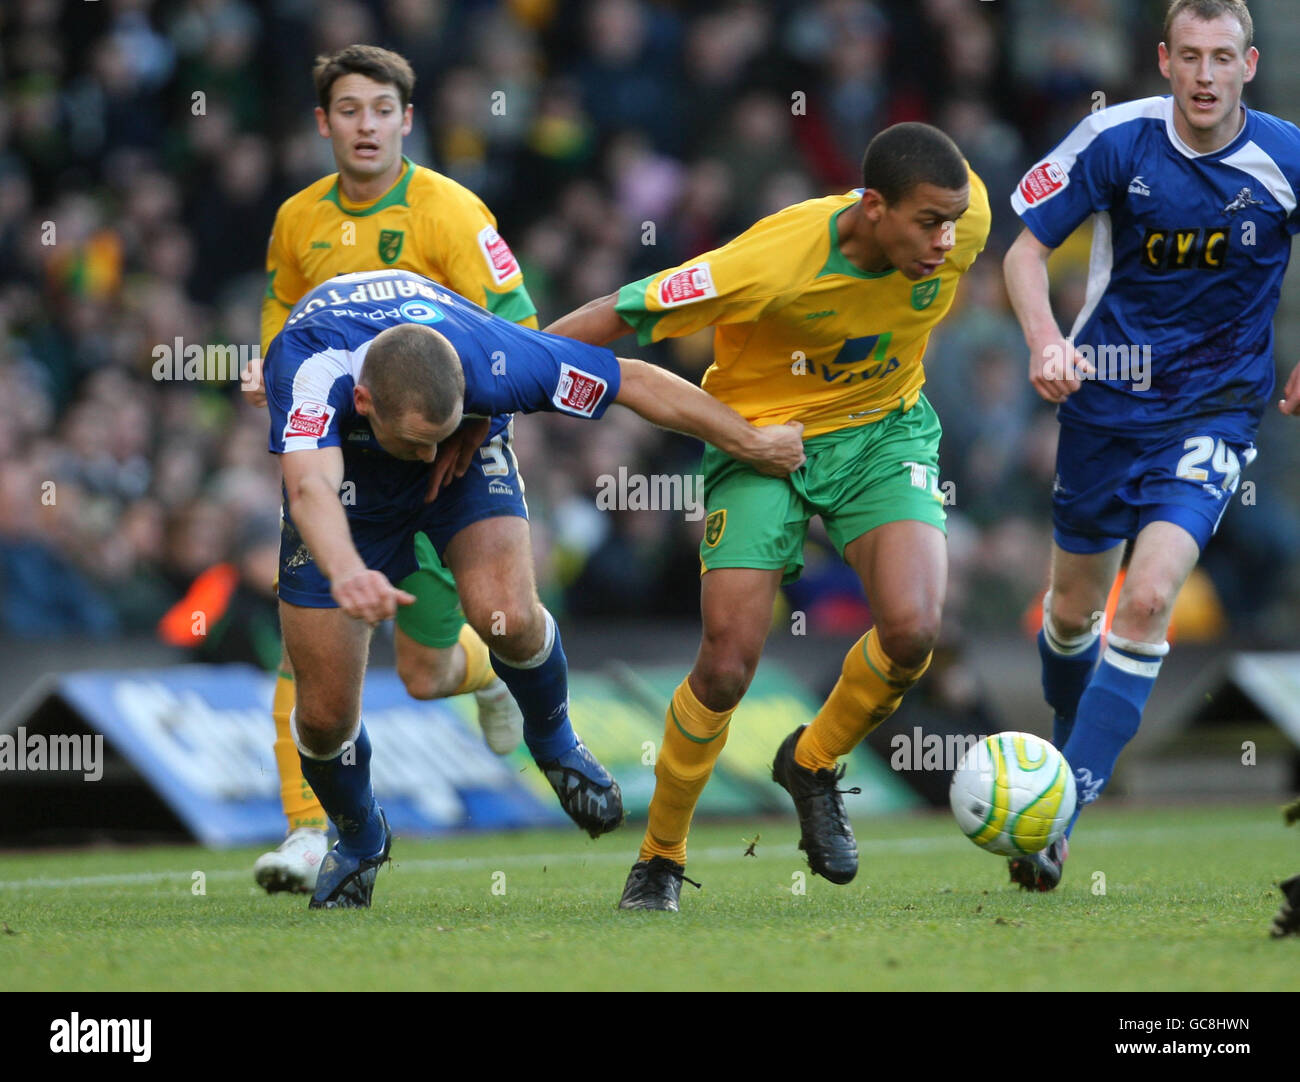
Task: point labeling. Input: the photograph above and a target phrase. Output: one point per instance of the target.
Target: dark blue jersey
(313, 365)
(1188, 255)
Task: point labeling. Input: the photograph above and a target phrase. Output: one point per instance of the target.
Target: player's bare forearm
(670, 402)
(312, 480)
(596, 322)
(1025, 270)
(321, 521)
(1055, 371)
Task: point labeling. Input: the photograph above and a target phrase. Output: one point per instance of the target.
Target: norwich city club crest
(923, 294)
(713, 527)
(390, 244)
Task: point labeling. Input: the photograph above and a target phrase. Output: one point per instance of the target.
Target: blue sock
(342, 785)
(1110, 711)
(1067, 667)
(540, 686)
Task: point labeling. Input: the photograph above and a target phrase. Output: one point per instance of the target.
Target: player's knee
(723, 678)
(1144, 606)
(1070, 617)
(723, 687)
(421, 680)
(503, 625)
(908, 642)
(322, 730)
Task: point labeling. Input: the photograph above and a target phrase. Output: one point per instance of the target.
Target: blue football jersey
(314, 363)
(1188, 255)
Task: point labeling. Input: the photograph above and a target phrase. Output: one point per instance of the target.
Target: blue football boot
(587, 791)
(346, 881)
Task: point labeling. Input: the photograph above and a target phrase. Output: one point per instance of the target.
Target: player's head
(412, 389)
(916, 185)
(1207, 56)
(365, 108)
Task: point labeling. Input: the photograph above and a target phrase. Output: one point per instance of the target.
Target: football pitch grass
(1188, 894)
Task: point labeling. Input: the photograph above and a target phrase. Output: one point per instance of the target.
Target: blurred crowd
(144, 148)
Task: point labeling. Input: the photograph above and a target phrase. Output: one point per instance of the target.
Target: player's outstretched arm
(595, 323)
(1054, 369)
(669, 401)
(312, 479)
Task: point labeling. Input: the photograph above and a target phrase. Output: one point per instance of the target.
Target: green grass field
(1187, 899)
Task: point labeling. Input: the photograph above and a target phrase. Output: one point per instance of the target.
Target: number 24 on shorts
(1222, 458)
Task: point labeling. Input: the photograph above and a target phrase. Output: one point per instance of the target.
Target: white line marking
(729, 854)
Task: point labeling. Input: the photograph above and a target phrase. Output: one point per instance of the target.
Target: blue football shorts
(491, 486)
(1109, 487)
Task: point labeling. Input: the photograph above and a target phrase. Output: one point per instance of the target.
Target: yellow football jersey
(800, 334)
(425, 223)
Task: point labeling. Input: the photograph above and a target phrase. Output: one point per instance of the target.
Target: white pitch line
(608, 856)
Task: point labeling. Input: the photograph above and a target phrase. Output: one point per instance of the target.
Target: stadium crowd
(144, 148)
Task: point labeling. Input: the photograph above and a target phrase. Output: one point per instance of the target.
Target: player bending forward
(821, 315)
(362, 388)
(381, 210)
(1166, 372)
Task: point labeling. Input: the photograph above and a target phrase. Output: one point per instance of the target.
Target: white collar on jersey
(1182, 147)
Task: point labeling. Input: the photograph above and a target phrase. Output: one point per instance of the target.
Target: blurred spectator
(144, 147)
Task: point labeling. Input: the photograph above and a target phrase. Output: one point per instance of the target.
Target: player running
(821, 315)
(371, 372)
(382, 210)
(1167, 369)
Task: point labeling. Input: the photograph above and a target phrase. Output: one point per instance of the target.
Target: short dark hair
(412, 368)
(1209, 10)
(901, 157)
(369, 60)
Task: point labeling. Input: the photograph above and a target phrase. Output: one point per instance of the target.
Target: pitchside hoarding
(198, 738)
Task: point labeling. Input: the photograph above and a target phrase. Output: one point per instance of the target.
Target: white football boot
(293, 865)
(499, 717)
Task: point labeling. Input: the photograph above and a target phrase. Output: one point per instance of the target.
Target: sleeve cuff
(515, 305)
(631, 306)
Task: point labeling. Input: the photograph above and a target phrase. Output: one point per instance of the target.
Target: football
(1012, 793)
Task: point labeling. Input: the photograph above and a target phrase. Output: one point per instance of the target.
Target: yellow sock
(694, 736)
(301, 807)
(869, 689)
(478, 664)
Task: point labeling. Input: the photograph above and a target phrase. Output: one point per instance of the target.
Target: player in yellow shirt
(381, 210)
(821, 314)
